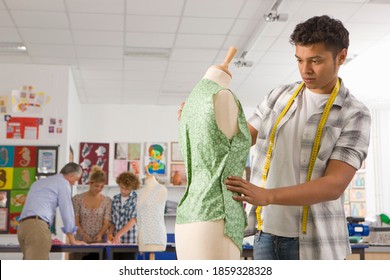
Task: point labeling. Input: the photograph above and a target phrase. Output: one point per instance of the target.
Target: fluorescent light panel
(12, 48)
(147, 53)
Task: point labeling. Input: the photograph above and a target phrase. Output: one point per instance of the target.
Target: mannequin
(203, 238)
(152, 234)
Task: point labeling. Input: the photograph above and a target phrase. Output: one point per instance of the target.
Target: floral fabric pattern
(91, 219)
(209, 158)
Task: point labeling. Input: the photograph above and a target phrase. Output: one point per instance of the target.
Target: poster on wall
(6, 178)
(4, 212)
(55, 127)
(175, 152)
(18, 171)
(25, 156)
(93, 154)
(7, 156)
(23, 128)
(3, 220)
(46, 161)
(156, 158)
(13, 223)
(27, 100)
(127, 158)
(3, 104)
(18, 199)
(178, 174)
(4, 199)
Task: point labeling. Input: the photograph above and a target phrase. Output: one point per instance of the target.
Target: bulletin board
(20, 167)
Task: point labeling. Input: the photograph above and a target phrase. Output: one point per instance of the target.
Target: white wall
(56, 82)
(128, 123)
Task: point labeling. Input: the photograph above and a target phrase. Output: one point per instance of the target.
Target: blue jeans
(271, 247)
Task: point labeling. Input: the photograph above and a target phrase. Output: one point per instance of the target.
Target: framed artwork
(3, 220)
(359, 181)
(13, 223)
(46, 160)
(23, 178)
(18, 198)
(156, 158)
(93, 154)
(121, 150)
(7, 156)
(25, 156)
(358, 209)
(357, 195)
(134, 151)
(6, 178)
(4, 199)
(178, 174)
(120, 166)
(175, 152)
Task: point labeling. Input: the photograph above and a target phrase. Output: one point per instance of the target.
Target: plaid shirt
(345, 137)
(122, 214)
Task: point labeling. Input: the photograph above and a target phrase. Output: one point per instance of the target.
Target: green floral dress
(209, 158)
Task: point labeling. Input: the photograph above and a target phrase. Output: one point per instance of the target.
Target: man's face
(125, 192)
(317, 66)
(73, 178)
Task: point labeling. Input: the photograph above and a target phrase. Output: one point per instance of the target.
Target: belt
(36, 217)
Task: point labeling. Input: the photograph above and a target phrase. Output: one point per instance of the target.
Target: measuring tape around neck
(314, 150)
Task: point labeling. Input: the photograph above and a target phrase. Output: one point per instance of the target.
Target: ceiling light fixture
(147, 53)
(273, 15)
(12, 48)
(241, 62)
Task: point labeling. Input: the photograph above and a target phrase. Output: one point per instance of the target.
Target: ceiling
(92, 36)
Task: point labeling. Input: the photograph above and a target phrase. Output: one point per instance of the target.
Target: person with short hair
(38, 213)
(124, 213)
(310, 137)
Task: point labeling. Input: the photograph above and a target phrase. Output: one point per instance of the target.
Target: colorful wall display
(156, 158)
(23, 128)
(27, 100)
(18, 170)
(127, 157)
(93, 154)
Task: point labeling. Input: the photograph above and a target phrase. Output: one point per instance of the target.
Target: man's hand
(79, 242)
(249, 193)
(73, 240)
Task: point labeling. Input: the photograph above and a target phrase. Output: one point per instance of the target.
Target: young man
(310, 138)
(124, 214)
(44, 197)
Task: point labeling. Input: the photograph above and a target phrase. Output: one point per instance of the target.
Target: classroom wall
(56, 82)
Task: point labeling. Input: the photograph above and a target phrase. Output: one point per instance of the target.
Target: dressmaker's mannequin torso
(206, 239)
(225, 106)
(150, 207)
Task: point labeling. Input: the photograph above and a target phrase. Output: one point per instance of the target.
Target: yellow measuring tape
(314, 150)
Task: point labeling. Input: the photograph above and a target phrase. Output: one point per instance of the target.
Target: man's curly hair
(321, 29)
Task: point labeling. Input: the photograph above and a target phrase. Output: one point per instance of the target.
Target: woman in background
(92, 213)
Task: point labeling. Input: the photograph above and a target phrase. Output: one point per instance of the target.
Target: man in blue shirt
(38, 213)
